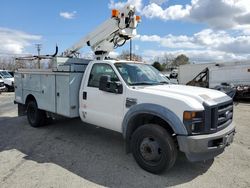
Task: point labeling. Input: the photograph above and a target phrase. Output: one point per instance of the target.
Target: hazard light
(115, 13)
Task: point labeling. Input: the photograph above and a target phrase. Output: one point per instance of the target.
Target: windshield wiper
(164, 82)
(142, 83)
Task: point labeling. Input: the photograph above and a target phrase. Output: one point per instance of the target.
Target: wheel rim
(150, 150)
(32, 114)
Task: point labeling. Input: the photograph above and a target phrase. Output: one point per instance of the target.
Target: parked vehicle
(223, 77)
(11, 73)
(190, 71)
(8, 80)
(2, 86)
(171, 80)
(156, 118)
(242, 92)
(174, 73)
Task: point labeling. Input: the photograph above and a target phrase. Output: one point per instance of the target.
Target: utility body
(156, 118)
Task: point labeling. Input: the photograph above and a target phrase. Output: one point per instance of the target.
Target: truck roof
(122, 61)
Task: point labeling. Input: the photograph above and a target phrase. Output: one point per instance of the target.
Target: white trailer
(189, 71)
(236, 74)
(216, 74)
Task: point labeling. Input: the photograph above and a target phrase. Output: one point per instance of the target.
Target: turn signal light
(115, 13)
(189, 115)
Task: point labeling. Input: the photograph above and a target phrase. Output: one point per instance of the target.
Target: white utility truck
(155, 118)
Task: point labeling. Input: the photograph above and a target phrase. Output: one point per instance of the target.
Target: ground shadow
(93, 153)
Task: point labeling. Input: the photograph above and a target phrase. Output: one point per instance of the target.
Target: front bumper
(203, 147)
(2, 88)
(10, 86)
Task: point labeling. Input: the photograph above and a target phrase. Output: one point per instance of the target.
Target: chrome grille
(225, 115)
(218, 117)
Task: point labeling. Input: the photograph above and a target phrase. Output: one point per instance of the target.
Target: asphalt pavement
(70, 153)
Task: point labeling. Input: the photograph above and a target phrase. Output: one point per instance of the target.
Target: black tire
(153, 148)
(9, 88)
(6, 88)
(36, 117)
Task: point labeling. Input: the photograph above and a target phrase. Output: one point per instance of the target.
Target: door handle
(84, 95)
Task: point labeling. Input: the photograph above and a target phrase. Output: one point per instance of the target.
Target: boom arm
(111, 34)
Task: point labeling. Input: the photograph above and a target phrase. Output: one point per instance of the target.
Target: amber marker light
(138, 18)
(115, 13)
(189, 115)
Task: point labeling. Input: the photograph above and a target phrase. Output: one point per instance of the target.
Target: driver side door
(101, 108)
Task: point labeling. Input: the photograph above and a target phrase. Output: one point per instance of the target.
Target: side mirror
(105, 84)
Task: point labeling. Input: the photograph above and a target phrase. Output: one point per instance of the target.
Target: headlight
(194, 121)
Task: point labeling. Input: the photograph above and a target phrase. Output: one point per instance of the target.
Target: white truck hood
(8, 81)
(197, 93)
(177, 98)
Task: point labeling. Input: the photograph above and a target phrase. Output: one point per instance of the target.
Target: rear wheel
(36, 117)
(153, 148)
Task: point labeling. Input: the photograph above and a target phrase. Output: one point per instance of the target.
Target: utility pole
(38, 47)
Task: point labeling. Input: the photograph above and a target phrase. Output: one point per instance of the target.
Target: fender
(147, 108)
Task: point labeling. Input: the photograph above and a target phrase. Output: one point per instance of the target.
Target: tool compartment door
(67, 94)
(62, 95)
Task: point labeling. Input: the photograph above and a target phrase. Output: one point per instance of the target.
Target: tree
(163, 66)
(157, 65)
(180, 60)
(7, 63)
(168, 58)
(126, 56)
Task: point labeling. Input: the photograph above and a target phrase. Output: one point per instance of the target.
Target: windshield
(5, 74)
(140, 74)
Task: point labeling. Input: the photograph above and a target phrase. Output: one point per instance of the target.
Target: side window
(99, 70)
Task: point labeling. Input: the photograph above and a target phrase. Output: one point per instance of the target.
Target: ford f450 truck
(156, 118)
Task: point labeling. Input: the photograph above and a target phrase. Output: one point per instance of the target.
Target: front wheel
(36, 117)
(153, 148)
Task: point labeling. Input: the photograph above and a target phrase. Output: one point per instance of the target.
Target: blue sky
(204, 30)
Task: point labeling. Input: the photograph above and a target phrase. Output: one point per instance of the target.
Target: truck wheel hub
(150, 149)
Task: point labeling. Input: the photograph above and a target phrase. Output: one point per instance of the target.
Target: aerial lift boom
(111, 34)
